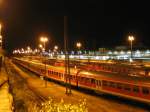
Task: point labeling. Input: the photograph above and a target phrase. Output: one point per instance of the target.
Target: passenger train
(137, 88)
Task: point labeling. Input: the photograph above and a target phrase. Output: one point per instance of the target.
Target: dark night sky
(96, 24)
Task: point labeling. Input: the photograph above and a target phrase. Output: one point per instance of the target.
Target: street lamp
(78, 45)
(55, 50)
(131, 39)
(44, 40)
(28, 50)
(40, 46)
(55, 47)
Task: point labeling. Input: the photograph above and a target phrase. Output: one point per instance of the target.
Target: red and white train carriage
(137, 88)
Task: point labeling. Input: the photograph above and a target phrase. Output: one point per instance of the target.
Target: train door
(98, 84)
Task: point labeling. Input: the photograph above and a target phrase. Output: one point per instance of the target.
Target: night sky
(96, 23)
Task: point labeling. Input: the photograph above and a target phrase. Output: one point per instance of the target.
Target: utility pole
(1, 48)
(0, 37)
(67, 61)
(131, 39)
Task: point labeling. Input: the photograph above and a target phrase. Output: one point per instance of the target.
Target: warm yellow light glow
(22, 49)
(1, 1)
(0, 37)
(78, 44)
(28, 48)
(43, 39)
(130, 38)
(36, 50)
(55, 47)
(40, 45)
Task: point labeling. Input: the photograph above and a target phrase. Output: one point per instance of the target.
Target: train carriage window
(70, 76)
(87, 80)
(93, 81)
(73, 77)
(63, 75)
(145, 90)
(99, 83)
(127, 87)
(78, 78)
(59, 74)
(119, 85)
(81, 79)
(104, 83)
(112, 84)
(136, 89)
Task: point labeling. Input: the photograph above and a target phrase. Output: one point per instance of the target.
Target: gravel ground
(24, 98)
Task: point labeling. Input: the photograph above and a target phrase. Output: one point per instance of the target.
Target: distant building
(121, 48)
(103, 50)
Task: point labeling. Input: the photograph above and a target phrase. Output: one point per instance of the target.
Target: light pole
(41, 47)
(28, 50)
(67, 60)
(78, 44)
(131, 39)
(44, 40)
(55, 50)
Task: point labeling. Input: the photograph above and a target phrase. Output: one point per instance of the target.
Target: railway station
(74, 56)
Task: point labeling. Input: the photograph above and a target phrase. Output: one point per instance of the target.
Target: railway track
(1, 84)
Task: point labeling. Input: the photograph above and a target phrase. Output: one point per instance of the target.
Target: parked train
(125, 86)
